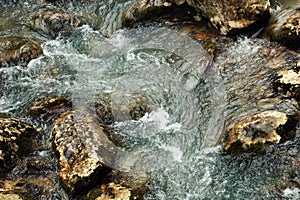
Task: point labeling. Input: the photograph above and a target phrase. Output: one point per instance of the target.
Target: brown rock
(255, 130)
(232, 14)
(18, 50)
(15, 140)
(284, 26)
(48, 109)
(52, 22)
(85, 153)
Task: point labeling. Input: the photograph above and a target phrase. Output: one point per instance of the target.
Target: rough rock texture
(85, 153)
(52, 22)
(139, 10)
(10, 197)
(121, 105)
(49, 108)
(231, 14)
(284, 26)
(18, 50)
(171, 10)
(255, 130)
(287, 82)
(15, 140)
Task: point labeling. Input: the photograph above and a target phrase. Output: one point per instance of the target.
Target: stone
(284, 25)
(85, 152)
(233, 14)
(114, 191)
(15, 50)
(52, 22)
(170, 10)
(255, 130)
(287, 81)
(16, 140)
(49, 108)
(140, 9)
(121, 106)
(10, 197)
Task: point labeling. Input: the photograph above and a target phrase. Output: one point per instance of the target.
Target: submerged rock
(230, 15)
(262, 128)
(85, 153)
(52, 22)
(49, 108)
(18, 50)
(284, 26)
(121, 106)
(15, 140)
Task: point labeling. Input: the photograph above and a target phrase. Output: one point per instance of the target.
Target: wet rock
(284, 26)
(52, 22)
(255, 130)
(10, 197)
(18, 50)
(119, 185)
(224, 15)
(142, 8)
(230, 15)
(287, 81)
(16, 140)
(205, 34)
(85, 153)
(121, 106)
(49, 108)
(167, 10)
(31, 188)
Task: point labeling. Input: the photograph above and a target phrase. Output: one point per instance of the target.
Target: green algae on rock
(15, 50)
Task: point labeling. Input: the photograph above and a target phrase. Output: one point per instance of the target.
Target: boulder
(284, 25)
(224, 15)
(85, 153)
(52, 22)
(16, 140)
(255, 130)
(15, 50)
(232, 14)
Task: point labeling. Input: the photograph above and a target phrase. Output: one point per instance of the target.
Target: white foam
(176, 152)
(293, 193)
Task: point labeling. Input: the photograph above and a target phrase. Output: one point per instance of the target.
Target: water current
(176, 142)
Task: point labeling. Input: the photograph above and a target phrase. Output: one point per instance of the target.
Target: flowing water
(191, 98)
